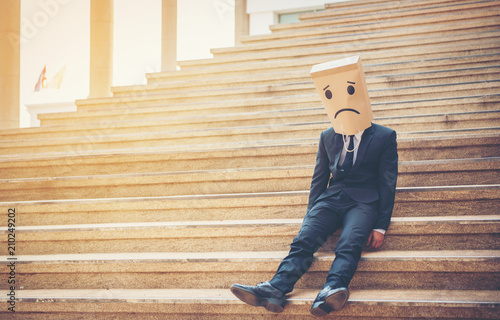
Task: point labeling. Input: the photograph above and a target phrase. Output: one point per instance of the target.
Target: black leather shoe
(261, 295)
(328, 300)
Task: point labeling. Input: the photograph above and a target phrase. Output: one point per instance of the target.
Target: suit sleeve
(321, 174)
(388, 174)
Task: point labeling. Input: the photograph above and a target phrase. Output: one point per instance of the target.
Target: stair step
(345, 5)
(377, 26)
(417, 201)
(421, 90)
(411, 47)
(462, 75)
(221, 304)
(200, 96)
(457, 7)
(335, 10)
(375, 63)
(274, 179)
(293, 153)
(124, 113)
(361, 36)
(210, 270)
(405, 126)
(114, 122)
(418, 233)
(109, 119)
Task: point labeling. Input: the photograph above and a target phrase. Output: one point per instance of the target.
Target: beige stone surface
(487, 23)
(377, 64)
(238, 180)
(442, 201)
(362, 303)
(442, 147)
(385, 15)
(465, 270)
(459, 233)
(75, 122)
(329, 31)
(406, 46)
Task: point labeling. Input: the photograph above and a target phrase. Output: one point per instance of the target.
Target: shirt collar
(359, 134)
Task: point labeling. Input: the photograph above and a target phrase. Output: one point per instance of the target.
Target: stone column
(101, 48)
(10, 63)
(241, 20)
(168, 35)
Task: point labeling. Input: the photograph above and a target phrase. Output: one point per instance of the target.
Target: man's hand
(375, 239)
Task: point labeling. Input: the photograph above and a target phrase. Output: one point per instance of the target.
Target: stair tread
(371, 64)
(191, 197)
(476, 298)
(341, 5)
(278, 90)
(388, 14)
(365, 35)
(395, 22)
(365, 48)
(405, 166)
(214, 148)
(197, 257)
(223, 109)
(211, 120)
(210, 131)
(401, 221)
(331, 12)
(288, 137)
(401, 7)
(235, 180)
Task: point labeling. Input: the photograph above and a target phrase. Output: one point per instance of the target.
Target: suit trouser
(322, 220)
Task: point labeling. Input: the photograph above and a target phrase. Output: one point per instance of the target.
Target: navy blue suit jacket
(372, 177)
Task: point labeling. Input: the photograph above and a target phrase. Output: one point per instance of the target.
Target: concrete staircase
(151, 203)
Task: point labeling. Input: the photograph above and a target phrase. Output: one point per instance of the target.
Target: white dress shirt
(357, 140)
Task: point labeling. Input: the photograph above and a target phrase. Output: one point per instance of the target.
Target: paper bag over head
(341, 86)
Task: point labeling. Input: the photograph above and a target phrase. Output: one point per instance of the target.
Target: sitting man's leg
(358, 223)
(319, 223)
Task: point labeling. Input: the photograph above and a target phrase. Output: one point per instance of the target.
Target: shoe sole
(251, 299)
(321, 310)
(337, 300)
(334, 302)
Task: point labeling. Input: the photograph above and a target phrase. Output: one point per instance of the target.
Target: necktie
(348, 161)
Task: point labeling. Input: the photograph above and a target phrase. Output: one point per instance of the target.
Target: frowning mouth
(342, 110)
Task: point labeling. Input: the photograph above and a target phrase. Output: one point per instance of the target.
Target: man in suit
(352, 188)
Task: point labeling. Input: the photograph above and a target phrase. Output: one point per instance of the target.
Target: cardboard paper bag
(341, 86)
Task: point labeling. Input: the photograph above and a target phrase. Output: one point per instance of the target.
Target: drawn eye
(328, 94)
(350, 90)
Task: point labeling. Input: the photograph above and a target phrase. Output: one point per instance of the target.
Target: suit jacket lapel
(339, 144)
(365, 141)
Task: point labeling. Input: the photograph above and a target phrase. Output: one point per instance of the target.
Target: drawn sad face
(345, 98)
(350, 91)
